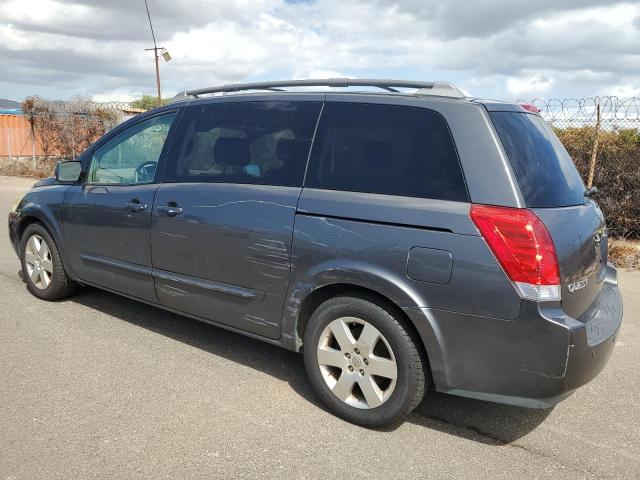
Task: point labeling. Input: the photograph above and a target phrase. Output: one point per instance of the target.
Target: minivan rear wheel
(42, 268)
(362, 362)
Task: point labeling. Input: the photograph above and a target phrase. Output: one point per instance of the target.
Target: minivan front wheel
(42, 268)
(362, 362)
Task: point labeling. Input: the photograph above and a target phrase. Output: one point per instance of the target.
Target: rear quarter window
(386, 149)
(545, 173)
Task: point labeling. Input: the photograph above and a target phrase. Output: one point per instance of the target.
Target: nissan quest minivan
(402, 240)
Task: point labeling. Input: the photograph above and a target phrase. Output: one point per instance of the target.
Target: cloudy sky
(507, 49)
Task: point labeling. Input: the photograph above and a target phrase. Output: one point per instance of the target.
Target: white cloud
(500, 48)
(622, 91)
(527, 86)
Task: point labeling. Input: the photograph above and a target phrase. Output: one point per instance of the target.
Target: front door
(223, 216)
(107, 220)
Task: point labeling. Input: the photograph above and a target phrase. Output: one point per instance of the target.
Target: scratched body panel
(228, 236)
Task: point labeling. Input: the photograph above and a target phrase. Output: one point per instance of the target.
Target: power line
(150, 24)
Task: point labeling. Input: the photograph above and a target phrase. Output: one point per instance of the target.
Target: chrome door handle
(170, 211)
(135, 207)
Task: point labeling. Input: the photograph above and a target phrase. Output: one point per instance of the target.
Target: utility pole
(155, 54)
(596, 141)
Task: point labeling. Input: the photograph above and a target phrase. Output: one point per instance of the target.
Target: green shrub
(617, 173)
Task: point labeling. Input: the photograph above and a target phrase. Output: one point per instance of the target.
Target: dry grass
(625, 253)
(44, 168)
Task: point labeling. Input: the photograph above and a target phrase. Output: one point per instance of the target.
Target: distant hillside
(9, 104)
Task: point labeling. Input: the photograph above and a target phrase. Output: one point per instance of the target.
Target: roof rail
(445, 89)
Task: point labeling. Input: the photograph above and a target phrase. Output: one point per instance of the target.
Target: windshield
(544, 170)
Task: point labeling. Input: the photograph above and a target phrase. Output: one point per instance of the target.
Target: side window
(264, 143)
(132, 155)
(386, 149)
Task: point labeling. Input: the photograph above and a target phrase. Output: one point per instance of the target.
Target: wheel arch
(321, 294)
(383, 288)
(30, 220)
(30, 216)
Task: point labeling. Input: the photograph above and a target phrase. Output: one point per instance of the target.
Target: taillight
(523, 246)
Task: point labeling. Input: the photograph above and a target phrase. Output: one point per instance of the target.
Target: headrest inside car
(232, 151)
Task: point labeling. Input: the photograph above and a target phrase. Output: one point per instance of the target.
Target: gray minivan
(403, 240)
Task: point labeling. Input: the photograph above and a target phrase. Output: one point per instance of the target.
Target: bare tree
(65, 129)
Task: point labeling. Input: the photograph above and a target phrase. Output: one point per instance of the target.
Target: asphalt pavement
(99, 386)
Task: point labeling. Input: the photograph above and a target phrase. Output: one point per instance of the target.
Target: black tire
(60, 286)
(411, 380)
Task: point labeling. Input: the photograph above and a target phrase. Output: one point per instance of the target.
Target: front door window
(131, 157)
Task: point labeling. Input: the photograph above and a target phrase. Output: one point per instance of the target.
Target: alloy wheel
(357, 362)
(37, 257)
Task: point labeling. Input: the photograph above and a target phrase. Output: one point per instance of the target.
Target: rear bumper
(536, 360)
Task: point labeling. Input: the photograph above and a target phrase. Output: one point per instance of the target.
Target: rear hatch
(552, 187)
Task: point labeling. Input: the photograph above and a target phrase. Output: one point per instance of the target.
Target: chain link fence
(64, 129)
(602, 135)
(615, 113)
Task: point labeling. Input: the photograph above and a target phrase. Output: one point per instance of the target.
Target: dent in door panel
(234, 235)
(372, 255)
(208, 285)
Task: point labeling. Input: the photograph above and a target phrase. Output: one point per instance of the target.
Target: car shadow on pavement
(484, 422)
(476, 420)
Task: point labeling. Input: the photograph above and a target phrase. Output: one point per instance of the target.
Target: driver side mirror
(68, 172)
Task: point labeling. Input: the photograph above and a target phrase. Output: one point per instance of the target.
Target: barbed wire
(615, 112)
(80, 107)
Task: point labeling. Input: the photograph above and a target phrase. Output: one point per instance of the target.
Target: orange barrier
(15, 137)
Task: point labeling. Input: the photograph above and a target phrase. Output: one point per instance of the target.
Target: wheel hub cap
(357, 362)
(37, 258)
